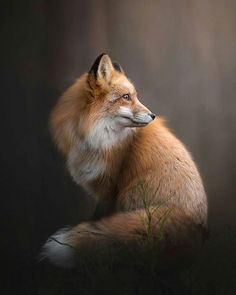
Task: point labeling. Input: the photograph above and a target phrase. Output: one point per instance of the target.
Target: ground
(137, 273)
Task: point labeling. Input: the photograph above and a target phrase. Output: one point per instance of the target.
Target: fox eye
(126, 96)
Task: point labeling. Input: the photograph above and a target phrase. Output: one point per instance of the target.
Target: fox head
(101, 108)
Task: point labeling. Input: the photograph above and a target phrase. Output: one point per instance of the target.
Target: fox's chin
(129, 122)
(137, 124)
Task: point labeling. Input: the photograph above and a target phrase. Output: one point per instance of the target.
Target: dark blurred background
(181, 55)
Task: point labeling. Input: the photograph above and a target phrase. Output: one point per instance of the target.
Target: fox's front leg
(106, 203)
(104, 208)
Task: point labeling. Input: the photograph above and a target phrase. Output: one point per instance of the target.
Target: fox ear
(118, 67)
(102, 67)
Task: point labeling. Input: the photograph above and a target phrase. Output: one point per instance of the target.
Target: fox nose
(153, 116)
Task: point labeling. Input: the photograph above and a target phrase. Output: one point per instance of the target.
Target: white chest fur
(106, 134)
(83, 165)
(84, 161)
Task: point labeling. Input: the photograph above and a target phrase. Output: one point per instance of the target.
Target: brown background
(181, 55)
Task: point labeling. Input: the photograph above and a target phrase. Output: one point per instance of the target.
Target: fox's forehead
(122, 82)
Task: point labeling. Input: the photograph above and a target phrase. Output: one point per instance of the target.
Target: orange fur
(126, 163)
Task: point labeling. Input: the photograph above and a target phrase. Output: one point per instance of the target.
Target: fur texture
(130, 162)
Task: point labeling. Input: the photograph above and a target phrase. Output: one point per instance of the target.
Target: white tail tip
(58, 250)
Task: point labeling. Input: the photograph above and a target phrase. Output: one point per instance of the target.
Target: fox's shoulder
(157, 129)
(157, 142)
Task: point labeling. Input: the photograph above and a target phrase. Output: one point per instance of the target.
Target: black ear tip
(95, 65)
(101, 55)
(117, 67)
(104, 53)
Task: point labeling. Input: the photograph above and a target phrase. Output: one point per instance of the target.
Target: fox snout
(136, 117)
(141, 114)
(153, 116)
(144, 118)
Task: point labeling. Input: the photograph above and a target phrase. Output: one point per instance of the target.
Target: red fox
(130, 162)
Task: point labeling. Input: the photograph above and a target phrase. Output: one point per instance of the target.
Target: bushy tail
(171, 233)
